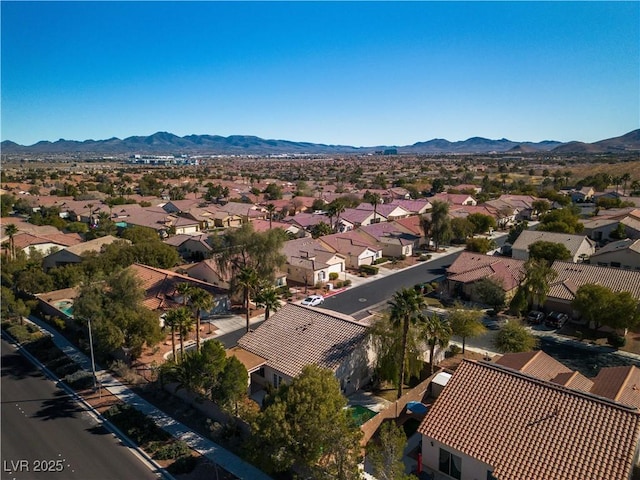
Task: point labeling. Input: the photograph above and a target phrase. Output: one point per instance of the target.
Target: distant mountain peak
(167, 143)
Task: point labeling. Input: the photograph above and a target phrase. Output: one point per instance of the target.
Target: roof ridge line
(587, 395)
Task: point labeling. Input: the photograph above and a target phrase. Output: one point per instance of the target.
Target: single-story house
(511, 421)
(395, 241)
(296, 336)
(73, 253)
(572, 276)
(471, 267)
(415, 207)
(621, 254)
(352, 246)
(45, 244)
(190, 246)
(359, 217)
(578, 245)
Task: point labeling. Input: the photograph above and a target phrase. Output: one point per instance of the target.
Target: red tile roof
(526, 428)
(621, 384)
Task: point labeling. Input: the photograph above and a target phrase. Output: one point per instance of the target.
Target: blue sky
(356, 73)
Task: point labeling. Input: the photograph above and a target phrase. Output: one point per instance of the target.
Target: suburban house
(310, 262)
(44, 243)
(190, 246)
(296, 336)
(352, 246)
(386, 210)
(572, 276)
(292, 229)
(471, 267)
(581, 195)
(621, 254)
(395, 241)
(579, 246)
(454, 198)
(209, 271)
(415, 207)
(412, 225)
(306, 221)
(360, 217)
(161, 293)
(73, 254)
(529, 417)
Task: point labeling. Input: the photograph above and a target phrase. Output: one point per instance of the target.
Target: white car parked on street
(313, 300)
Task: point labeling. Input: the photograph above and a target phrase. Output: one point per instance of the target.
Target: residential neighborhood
(239, 271)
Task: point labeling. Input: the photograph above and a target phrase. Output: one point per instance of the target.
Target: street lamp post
(93, 361)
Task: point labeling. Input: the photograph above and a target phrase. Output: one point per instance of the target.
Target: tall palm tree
(268, 298)
(247, 280)
(625, 178)
(437, 331)
(537, 281)
(179, 319)
(10, 230)
(200, 300)
(271, 208)
(616, 181)
(406, 309)
(375, 200)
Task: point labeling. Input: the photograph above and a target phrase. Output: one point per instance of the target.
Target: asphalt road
(45, 434)
(379, 291)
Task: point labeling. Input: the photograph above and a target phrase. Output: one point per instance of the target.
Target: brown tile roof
(571, 242)
(296, 336)
(526, 428)
(621, 384)
(537, 364)
(471, 267)
(160, 285)
(574, 380)
(571, 276)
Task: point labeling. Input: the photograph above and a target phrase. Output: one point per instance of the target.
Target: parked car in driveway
(535, 317)
(556, 320)
(313, 300)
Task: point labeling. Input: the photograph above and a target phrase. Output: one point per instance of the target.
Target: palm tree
(536, 282)
(406, 309)
(625, 178)
(179, 319)
(334, 209)
(616, 181)
(247, 280)
(437, 331)
(271, 208)
(635, 186)
(268, 299)
(375, 200)
(185, 290)
(200, 300)
(10, 230)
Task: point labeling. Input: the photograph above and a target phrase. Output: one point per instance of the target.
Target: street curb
(89, 408)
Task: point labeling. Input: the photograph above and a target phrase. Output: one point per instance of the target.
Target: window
(450, 464)
(277, 380)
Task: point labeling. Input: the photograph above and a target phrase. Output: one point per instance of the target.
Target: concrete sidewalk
(214, 452)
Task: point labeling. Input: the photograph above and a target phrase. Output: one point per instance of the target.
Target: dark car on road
(535, 317)
(556, 320)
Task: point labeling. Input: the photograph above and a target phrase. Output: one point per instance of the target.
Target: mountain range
(168, 143)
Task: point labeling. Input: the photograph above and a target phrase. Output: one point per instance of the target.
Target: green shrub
(616, 341)
(172, 450)
(347, 282)
(182, 465)
(20, 332)
(79, 380)
(339, 284)
(369, 269)
(65, 369)
(333, 276)
(424, 257)
(380, 260)
(136, 425)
